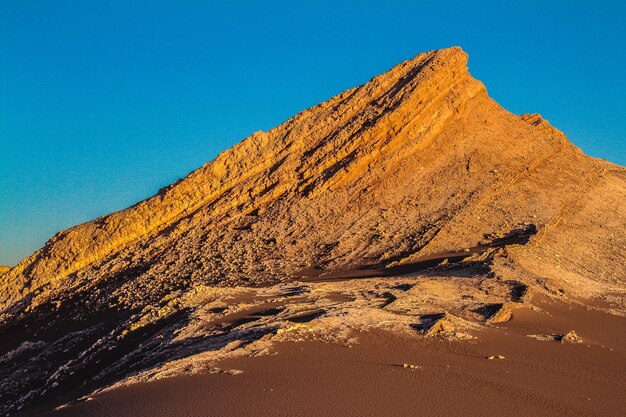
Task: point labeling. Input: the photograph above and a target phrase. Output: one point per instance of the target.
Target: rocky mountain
(416, 174)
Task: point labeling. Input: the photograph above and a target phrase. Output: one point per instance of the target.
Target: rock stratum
(413, 203)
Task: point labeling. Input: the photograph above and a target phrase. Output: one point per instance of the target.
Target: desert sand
(537, 376)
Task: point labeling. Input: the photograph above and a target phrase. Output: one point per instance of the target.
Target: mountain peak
(453, 55)
(449, 62)
(408, 104)
(426, 119)
(453, 58)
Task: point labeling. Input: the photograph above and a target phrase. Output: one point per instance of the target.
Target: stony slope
(417, 164)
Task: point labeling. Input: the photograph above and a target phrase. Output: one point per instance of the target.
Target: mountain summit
(417, 172)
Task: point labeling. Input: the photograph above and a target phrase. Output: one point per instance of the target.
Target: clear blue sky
(104, 102)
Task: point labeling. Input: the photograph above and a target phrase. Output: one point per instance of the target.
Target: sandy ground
(536, 377)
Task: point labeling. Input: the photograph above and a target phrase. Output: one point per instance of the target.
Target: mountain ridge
(218, 167)
(71, 250)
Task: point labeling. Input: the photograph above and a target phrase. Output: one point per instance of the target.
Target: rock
(571, 337)
(386, 141)
(435, 324)
(504, 313)
(497, 312)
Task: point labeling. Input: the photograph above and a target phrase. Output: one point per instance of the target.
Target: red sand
(536, 378)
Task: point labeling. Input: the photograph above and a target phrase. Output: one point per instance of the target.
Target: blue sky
(104, 102)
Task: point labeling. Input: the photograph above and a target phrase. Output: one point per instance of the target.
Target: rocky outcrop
(417, 161)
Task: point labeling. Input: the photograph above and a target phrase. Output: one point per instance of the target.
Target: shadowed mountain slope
(417, 164)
